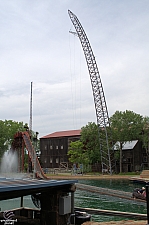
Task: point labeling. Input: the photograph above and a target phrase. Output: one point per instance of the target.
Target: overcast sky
(36, 46)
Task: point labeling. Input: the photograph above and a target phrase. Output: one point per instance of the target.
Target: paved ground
(91, 177)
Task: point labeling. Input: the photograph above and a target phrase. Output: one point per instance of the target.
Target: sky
(36, 46)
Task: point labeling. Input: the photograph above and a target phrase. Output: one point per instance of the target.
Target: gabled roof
(68, 133)
(127, 145)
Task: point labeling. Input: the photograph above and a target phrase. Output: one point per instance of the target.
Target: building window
(61, 146)
(144, 158)
(56, 146)
(51, 147)
(57, 160)
(51, 160)
(61, 160)
(129, 160)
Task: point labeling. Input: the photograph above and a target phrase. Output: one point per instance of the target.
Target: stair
(144, 174)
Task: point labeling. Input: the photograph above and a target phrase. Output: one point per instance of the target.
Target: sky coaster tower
(99, 97)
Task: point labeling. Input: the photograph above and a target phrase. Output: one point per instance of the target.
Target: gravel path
(90, 177)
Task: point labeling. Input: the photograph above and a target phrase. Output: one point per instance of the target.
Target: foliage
(36, 142)
(145, 134)
(3, 132)
(126, 126)
(86, 151)
(7, 130)
(77, 154)
(90, 140)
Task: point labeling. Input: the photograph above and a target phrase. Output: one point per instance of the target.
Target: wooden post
(147, 200)
(72, 202)
(50, 208)
(50, 205)
(21, 203)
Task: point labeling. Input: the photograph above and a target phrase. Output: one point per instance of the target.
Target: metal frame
(98, 94)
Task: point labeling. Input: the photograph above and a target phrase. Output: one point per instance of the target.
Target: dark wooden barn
(134, 157)
(54, 148)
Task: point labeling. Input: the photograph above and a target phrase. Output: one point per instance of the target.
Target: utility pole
(30, 122)
(30, 132)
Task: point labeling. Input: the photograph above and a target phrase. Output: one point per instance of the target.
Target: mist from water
(9, 166)
(9, 162)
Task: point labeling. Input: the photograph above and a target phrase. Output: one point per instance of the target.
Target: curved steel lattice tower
(98, 94)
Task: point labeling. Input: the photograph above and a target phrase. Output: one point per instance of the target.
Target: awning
(13, 188)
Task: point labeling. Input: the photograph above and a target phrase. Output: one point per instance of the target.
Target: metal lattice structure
(98, 94)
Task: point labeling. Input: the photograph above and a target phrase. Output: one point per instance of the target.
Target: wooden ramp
(144, 174)
(113, 213)
(143, 178)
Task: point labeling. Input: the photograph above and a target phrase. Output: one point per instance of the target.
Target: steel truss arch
(98, 94)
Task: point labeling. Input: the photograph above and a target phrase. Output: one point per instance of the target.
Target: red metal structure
(22, 140)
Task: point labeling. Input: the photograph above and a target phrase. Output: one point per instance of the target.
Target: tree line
(7, 130)
(124, 126)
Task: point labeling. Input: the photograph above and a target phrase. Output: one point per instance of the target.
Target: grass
(94, 174)
(130, 173)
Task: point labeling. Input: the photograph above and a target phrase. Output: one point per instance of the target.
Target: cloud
(36, 46)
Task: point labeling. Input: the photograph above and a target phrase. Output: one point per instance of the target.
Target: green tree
(90, 140)
(145, 136)
(7, 130)
(77, 154)
(126, 126)
(3, 134)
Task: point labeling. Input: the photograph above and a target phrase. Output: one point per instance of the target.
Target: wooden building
(54, 147)
(134, 156)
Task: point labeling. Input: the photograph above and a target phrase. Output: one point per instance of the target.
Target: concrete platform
(139, 179)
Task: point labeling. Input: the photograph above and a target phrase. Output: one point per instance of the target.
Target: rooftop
(13, 188)
(127, 145)
(68, 133)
